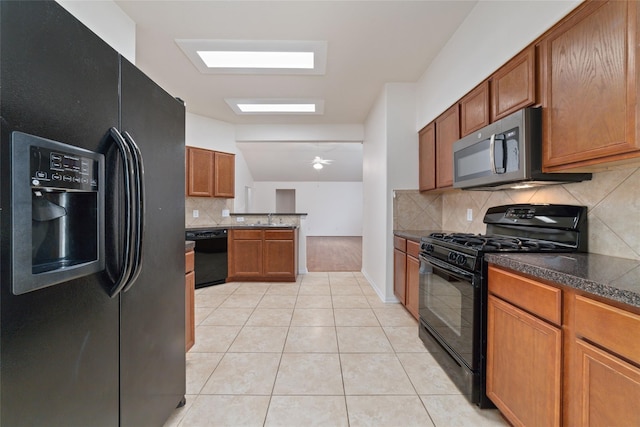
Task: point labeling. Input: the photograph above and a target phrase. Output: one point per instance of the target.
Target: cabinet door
(589, 76)
(524, 358)
(447, 132)
(412, 288)
(427, 157)
(190, 323)
(606, 387)
(245, 258)
(224, 174)
(279, 258)
(513, 86)
(399, 274)
(474, 109)
(199, 172)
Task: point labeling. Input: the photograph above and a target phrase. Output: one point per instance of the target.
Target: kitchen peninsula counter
(612, 278)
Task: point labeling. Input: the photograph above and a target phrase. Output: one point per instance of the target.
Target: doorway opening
(335, 253)
(285, 201)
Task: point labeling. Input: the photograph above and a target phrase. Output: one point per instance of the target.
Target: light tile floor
(324, 351)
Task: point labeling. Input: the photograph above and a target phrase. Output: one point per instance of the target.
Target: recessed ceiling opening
(256, 56)
(276, 106)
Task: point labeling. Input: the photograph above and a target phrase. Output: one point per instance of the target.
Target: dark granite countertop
(189, 245)
(244, 226)
(414, 235)
(267, 213)
(617, 279)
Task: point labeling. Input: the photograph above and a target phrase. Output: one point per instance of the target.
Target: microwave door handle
(492, 153)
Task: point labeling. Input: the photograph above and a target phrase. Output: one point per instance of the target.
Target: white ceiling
(370, 43)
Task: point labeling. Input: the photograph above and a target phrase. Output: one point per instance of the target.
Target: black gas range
(453, 288)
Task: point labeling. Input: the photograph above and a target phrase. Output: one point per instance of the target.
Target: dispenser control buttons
(62, 170)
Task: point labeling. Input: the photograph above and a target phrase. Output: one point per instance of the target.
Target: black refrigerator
(92, 297)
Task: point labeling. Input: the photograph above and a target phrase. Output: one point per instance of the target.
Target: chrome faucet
(269, 218)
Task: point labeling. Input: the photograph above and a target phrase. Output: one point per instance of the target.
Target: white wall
(213, 134)
(493, 32)
(390, 153)
(374, 180)
(108, 21)
(332, 208)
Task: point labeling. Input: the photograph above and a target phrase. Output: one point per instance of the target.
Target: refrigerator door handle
(129, 255)
(138, 183)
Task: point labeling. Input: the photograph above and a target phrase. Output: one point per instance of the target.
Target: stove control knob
(428, 248)
(461, 259)
(452, 256)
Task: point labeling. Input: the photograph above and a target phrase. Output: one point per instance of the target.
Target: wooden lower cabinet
(604, 372)
(406, 273)
(584, 372)
(413, 283)
(608, 388)
(399, 274)
(190, 287)
(262, 255)
(524, 359)
(279, 254)
(245, 254)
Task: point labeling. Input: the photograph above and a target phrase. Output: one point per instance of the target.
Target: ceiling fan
(318, 162)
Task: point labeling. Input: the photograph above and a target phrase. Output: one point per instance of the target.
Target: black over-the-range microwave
(506, 154)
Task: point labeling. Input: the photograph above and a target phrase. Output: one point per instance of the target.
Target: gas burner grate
(495, 243)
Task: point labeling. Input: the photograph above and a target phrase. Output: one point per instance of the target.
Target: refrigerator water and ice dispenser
(57, 212)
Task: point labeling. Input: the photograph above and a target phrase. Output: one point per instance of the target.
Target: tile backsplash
(612, 199)
(209, 211)
(210, 214)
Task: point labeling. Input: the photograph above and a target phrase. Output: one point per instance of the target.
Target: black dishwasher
(210, 255)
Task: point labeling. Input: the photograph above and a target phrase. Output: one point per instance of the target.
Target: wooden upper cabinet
(513, 86)
(474, 109)
(427, 157)
(224, 174)
(447, 132)
(589, 74)
(199, 172)
(210, 173)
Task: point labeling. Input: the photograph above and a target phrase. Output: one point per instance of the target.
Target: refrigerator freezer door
(152, 328)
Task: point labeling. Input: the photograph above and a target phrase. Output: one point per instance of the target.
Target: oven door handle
(462, 274)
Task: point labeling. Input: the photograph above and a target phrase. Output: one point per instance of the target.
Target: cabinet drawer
(189, 261)
(413, 248)
(534, 297)
(400, 243)
(610, 327)
(278, 234)
(247, 234)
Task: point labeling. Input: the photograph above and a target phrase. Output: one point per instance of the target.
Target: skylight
(276, 106)
(256, 56)
(252, 59)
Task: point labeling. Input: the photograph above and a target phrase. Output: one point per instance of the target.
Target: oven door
(449, 307)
